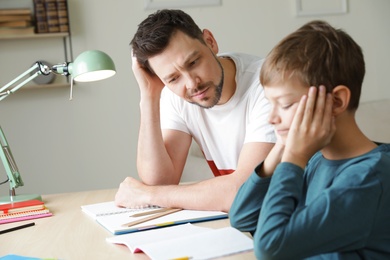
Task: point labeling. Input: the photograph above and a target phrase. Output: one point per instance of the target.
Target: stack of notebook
(122, 220)
(19, 211)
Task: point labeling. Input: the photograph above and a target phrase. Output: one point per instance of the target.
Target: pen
(142, 220)
(17, 228)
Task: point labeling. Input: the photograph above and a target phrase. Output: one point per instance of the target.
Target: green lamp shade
(91, 66)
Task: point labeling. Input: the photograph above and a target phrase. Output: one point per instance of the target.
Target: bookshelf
(67, 50)
(34, 36)
(56, 41)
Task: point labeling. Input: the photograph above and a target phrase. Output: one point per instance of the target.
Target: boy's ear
(210, 41)
(341, 97)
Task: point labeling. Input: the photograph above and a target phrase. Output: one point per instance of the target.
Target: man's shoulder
(167, 94)
(248, 73)
(243, 60)
(170, 100)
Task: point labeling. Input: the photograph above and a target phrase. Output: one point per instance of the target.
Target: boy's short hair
(317, 54)
(154, 33)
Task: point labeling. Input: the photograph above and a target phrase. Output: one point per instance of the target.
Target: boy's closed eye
(285, 107)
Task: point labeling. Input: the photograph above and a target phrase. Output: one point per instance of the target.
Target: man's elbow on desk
(159, 178)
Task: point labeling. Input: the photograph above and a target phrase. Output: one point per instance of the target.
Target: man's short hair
(154, 33)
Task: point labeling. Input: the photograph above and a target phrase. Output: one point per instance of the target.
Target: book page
(135, 241)
(188, 242)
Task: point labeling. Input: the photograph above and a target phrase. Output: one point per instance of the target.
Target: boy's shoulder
(382, 148)
(378, 156)
(371, 167)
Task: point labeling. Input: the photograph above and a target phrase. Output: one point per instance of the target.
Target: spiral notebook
(20, 216)
(115, 219)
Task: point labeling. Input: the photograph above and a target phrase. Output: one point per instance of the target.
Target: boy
(323, 192)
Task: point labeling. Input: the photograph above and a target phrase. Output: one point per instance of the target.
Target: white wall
(90, 142)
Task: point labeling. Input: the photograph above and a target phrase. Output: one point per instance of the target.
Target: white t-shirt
(222, 130)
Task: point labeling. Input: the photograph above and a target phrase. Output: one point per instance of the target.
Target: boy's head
(154, 33)
(317, 54)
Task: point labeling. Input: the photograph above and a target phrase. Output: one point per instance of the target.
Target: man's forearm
(212, 194)
(152, 157)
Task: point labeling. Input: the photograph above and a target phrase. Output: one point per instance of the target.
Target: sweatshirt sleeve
(338, 219)
(245, 210)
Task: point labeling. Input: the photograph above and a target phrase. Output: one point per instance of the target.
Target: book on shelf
(19, 211)
(186, 241)
(9, 18)
(122, 220)
(40, 16)
(52, 16)
(63, 18)
(15, 11)
(17, 30)
(16, 23)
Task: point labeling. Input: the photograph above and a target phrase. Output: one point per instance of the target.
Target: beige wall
(90, 142)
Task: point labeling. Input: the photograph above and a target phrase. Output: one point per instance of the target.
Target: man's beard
(217, 91)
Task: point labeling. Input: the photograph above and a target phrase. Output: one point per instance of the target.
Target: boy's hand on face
(149, 84)
(279, 139)
(312, 128)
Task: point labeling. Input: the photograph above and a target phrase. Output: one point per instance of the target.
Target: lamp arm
(61, 69)
(88, 66)
(15, 179)
(39, 67)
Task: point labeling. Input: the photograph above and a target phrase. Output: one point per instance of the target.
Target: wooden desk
(71, 235)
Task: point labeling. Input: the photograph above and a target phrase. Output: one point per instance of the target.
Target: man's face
(190, 69)
(284, 98)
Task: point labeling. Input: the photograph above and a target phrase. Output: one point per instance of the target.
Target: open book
(117, 220)
(186, 242)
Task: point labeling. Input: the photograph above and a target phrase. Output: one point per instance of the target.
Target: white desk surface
(72, 235)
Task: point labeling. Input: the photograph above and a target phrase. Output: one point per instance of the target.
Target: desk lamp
(88, 66)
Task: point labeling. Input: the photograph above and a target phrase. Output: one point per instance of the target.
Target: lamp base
(19, 198)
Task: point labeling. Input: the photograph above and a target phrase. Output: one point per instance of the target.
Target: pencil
(149, 212)
(158, 215)
(17, 228)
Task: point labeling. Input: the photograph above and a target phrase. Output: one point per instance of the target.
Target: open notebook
(186, 241)
(114, 218)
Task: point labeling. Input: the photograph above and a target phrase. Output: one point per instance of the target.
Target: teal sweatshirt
(334, 209)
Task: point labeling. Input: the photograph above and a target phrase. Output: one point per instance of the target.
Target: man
(216, 100)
